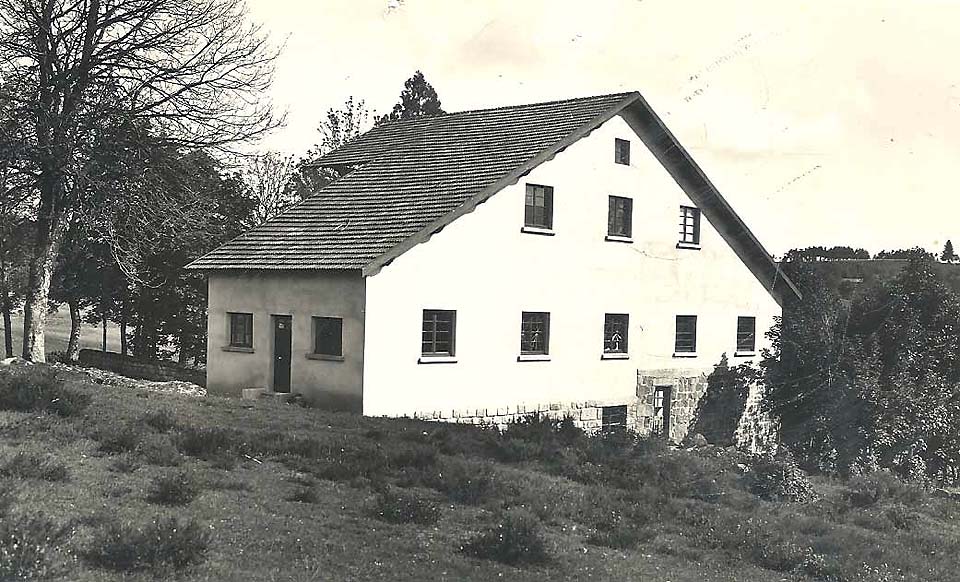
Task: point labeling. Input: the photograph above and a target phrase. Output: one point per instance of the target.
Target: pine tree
(417, 98)
(948, 256)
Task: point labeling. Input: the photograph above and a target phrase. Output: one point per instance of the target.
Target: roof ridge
(621, 95)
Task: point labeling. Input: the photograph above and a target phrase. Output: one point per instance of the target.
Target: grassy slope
(258, 535)
(58, 334)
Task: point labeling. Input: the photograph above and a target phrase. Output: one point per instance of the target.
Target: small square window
(535, 332)
(538, 209)
(241, 330)
(615, 327)
(746, 334)
(620, 217)
(328, 336)
(439, 332)
(613, 418)
(689, 225)
(621, 151)
(686, 340)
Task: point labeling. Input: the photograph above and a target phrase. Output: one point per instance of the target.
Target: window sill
(684, 354)
(239, 349)
(537, 230)
(688, 246)
(617, 238)
(615, 356)
(325, 357)
(744, 354)
(437, 360)
(533, 358)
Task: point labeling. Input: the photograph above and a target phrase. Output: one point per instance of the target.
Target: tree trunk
(47, 245)
(73, 346)
(6, 307)
(104, 341)
(123, 327)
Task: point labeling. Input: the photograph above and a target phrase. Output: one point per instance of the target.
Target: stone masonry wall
(588, 414)
(756, 431)
(133, 368)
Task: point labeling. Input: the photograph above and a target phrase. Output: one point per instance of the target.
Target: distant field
(58, 334)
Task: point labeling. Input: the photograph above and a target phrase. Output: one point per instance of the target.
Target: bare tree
(190, 71)
(267, 181)
(338, 127)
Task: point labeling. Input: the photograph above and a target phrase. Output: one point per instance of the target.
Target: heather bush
(161, 420)
(868, 490)
(125, 463)
(32, 466)
(159, 450)
(304, 494)
(399, 506)
(119, 438)
(207, 442)
(515, 539)
(28, 545)
(779, 479)
(174, 488)
(161, 545)
(466, 482)
(36, 389)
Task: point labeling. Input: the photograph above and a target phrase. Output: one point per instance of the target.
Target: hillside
(93, 473)
(58, 334)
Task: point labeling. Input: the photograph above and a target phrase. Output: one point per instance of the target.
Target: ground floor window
(438, 336)
(613, 418)
(615, 327)
(328, 336)
(535, 332)
(241, 330)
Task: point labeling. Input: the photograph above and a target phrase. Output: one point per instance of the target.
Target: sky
(823, 123)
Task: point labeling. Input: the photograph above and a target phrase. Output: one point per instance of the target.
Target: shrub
(348, 465)
(178, 488)
(779, 479)
(160, 545)
(304, 494)
(466, 482)
(867, 490)
(398, 506)
(516, 539)
(206, 442)
(159, 450)
(27, 546)
(902, 518)
(621, 519)
(161, 420)
(39, 389)
(125, 463)
(31, 466)
(119, 439)
(8, 497)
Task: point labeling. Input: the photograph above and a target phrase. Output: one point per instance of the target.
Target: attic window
(621, 153)
(538, 209)
(689, 225)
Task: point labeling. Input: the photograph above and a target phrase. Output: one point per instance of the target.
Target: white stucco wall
(482, 266)
(326, 383)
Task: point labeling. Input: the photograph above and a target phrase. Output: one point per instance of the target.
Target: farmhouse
(568, 257)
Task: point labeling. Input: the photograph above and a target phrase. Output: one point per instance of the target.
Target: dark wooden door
(282, 347)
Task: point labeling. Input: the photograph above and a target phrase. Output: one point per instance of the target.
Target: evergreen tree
(418, 98)
(948, 256)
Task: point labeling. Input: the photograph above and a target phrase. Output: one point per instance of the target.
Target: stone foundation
(686, 389)
(755, 432)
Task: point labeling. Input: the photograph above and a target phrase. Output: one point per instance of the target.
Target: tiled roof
(409, 175)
